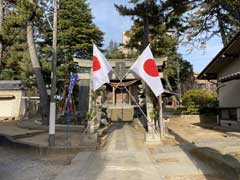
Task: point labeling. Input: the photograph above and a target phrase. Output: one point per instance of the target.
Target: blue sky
(113, 25)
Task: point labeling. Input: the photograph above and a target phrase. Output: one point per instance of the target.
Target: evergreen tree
(76, 30)
(15, 59)
(113, 51)
(176, 64)
(207, 18)
(76, 33)
(161, 21)
(165, 26)
(20, 19)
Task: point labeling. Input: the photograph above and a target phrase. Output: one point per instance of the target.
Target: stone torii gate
(120, 96)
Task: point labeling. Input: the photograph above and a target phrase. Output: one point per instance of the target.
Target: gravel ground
(22, 165)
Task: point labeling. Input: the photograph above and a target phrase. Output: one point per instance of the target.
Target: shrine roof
(128, 62)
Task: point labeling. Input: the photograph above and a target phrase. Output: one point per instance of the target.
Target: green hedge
(198, 101)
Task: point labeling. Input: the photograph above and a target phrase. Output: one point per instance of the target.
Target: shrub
(199, 101)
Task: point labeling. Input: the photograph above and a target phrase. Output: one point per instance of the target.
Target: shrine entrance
(121, 105)
(121, 96)
(122, 92)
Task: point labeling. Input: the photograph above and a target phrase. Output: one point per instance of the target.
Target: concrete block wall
(235, 125)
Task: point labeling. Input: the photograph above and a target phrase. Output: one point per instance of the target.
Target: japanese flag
(100, 68)
(146, 68)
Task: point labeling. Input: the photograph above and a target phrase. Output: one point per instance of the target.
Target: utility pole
(52, 116)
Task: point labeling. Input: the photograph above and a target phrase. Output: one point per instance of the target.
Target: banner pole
(67, 121)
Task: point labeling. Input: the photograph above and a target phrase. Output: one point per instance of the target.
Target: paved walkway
(126, 157)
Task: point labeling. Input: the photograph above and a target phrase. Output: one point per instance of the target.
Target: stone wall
(197, 118)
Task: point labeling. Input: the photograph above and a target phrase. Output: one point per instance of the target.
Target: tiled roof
(227, 55)
(13, 84)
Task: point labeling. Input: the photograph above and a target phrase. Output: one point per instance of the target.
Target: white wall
(12, 107)
(229, 92)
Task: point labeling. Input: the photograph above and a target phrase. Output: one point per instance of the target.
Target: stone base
(51, 140)
(152, 138)
(91, 128)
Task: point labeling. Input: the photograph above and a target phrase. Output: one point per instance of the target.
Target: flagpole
(161, 117)
(72, 81)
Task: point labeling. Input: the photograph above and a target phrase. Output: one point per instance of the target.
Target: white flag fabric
(146, 68)
(100, 68)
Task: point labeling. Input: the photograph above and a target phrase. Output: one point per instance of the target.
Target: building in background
(210, 85)
(126, 51)
(225, 69)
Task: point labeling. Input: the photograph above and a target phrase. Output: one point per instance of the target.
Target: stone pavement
(10, 129)
(126, 157)
(72, 140)
(36, 138)
(218, 147)
(192, 132)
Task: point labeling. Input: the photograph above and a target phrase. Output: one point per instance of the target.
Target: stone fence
(198, 118)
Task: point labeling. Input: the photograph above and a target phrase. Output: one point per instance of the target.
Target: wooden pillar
(114, 95)
(129, 98)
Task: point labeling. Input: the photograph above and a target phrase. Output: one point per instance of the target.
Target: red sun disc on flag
(96, 64)
(150, 68)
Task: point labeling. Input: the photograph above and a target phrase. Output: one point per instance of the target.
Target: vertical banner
(73, 80)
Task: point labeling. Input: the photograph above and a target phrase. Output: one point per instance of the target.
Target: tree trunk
(222, 30)
(44, 99)
(145, 41)
(1, 24)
